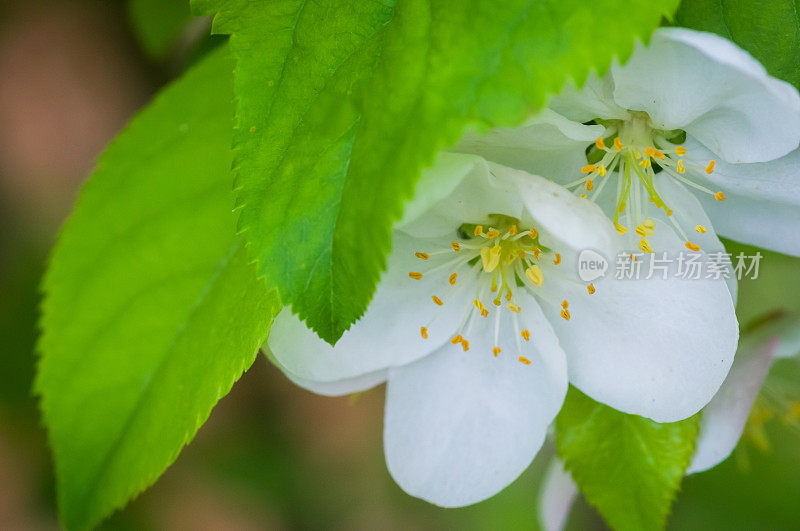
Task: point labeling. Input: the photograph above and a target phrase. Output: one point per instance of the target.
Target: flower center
(634, 151)
(504, 260)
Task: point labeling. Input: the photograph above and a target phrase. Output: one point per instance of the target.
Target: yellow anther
(645, 230)
(484, 313)
(490, 259)
(589, 168)
(710, 167)
(478, 304)
(589, 185)
(534, 274)
(513, 230)
(565, 314)
(453, 279)
(681, 168)
(496, 249)
(621, 229)
(557, 259)
(521, 254)
(526, 335)
(680, 150)
(617, 144)
(456, 339)
(537, 253)
(583, 196)
(590, 289)
(599, 143)
(513, 307)
(701, 229)
(692, 246)
(668, 211)
(436, 300)
(465, 345)
(496, 351)
(645, 163)
(649, 151)
(644, 245)
(422, 256)
(719, 196)
(493, 234)
(565, 304)
(601, 170)
(456, 246)
(416, 275)
(649, 223)
(524, 360)
(533, 233)
(657, 154)
(497, 301)
(478, 230)
(423, 331)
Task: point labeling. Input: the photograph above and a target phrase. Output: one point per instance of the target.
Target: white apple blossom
(691, 133)
(480, 322)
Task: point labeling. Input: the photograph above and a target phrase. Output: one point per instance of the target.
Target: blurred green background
(272, 456)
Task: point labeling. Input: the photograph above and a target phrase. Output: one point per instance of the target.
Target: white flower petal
(594, 100)
(689, 213)
(558, 493)
(341, 387)
(548, 145)
(725, 416)
(389, 332)
(457, 189)
(652, 347)
(460, 426)
(762, 205)
(713, 90)
(567, 223)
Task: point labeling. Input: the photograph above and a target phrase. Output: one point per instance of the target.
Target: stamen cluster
(504, 260)
(637, 152)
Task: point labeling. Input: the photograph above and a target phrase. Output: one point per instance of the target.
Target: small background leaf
(341, 104)
(768, 29)
(775, 291)
(151, 309)
(628, 467)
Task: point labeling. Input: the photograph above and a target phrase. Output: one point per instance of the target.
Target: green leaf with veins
(627, 466)
(151, 307)
(768, 29)
(342, 103)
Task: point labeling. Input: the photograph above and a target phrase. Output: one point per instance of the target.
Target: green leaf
(157, 24)
(342, 103)
(627, 466)
(768, 29)
(151, 308)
